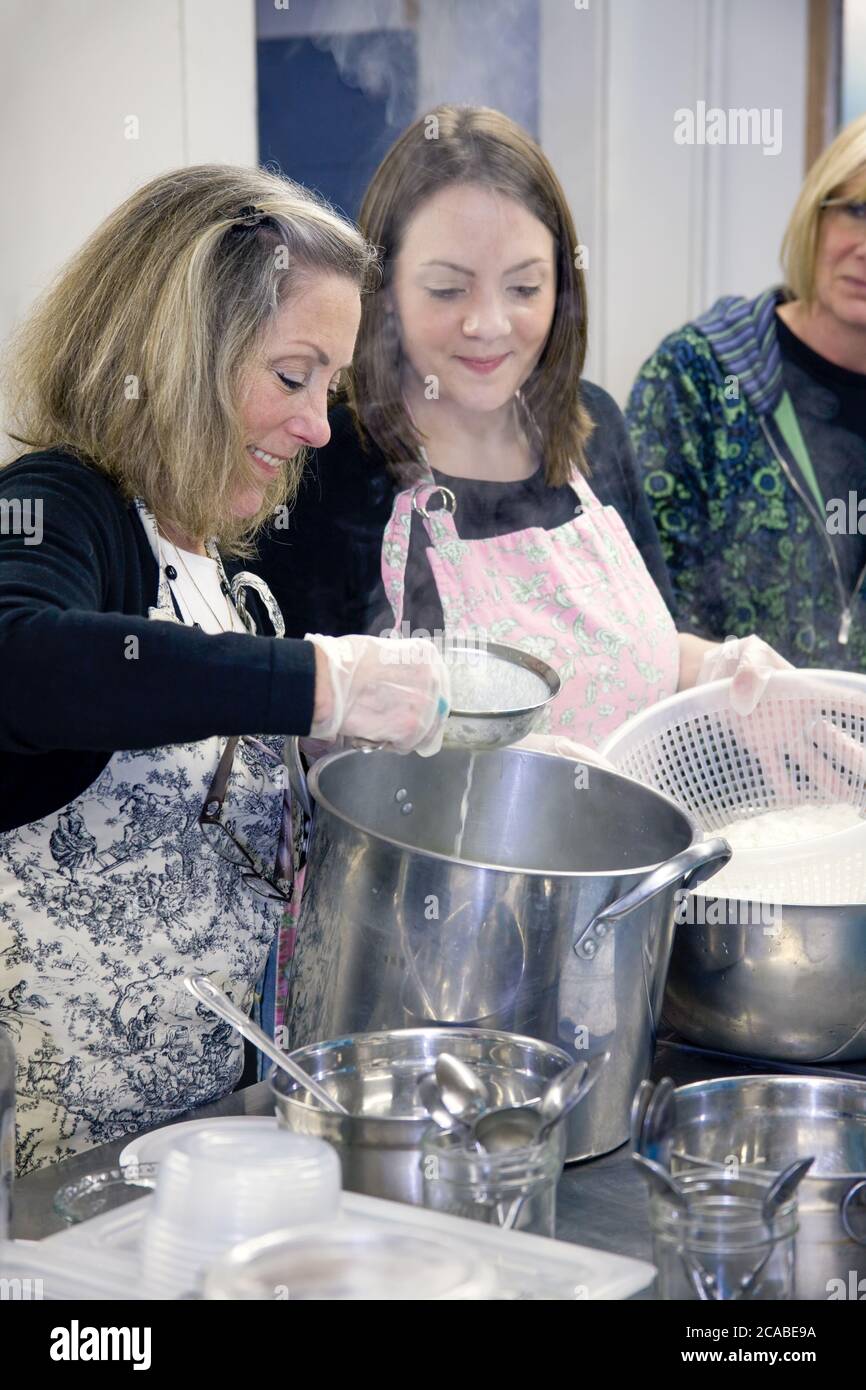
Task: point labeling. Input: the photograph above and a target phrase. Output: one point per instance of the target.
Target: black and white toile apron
(104, 906)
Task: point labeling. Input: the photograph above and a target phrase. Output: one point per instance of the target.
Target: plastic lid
(349, 1261)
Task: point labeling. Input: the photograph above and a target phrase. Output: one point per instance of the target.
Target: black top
(325, 565)
(70, 695)
(830, 404)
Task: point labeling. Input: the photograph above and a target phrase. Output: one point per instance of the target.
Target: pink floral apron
(579, 597)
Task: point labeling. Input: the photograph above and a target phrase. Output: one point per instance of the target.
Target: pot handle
(847, 1201)
(693, 865)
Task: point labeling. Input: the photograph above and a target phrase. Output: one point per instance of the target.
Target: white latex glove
(388, 691)
(750, 662)
(558, 746)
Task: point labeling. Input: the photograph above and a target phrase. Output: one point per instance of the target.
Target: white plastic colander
(803, 746)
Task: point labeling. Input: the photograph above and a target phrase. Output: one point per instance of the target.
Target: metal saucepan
(765, 1122)
(375, 1076)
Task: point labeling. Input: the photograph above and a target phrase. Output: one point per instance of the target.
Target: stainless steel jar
(506, 890)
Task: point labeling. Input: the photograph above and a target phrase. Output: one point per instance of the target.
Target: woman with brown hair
(167, 387)
(455, 493)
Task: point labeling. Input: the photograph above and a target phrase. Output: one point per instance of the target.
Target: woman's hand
(749, 661)
(394, 692)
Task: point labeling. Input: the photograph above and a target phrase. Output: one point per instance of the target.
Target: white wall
(669, 227)
(71, 72)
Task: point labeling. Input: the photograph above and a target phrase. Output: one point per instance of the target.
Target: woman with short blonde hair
(167, 388)
(750, 428)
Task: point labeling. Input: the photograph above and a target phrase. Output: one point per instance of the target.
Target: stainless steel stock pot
(506, 890)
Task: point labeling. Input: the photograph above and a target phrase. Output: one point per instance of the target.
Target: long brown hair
(135, 358)
(472, 145)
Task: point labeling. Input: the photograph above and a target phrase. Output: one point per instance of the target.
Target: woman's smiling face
(474, 290)
(306, 348)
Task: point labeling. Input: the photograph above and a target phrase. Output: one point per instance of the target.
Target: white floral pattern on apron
(578, 596)
(104, 906)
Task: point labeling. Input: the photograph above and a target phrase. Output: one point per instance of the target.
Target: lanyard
(786, 418)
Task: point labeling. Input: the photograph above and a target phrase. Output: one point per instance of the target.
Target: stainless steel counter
(601, 1203)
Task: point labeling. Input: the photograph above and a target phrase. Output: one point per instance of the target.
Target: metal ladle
(209, 994)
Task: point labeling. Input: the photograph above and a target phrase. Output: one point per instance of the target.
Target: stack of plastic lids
(220, 1187)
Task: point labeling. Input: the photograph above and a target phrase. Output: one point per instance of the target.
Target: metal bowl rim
(279, 1081)
(716, 1084)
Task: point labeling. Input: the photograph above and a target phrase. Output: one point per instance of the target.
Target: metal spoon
(464, 1094)
(784, 1187)
(557, 1091)
(704, 1284)
(642, 1098)
(209, 994)
(660, 1180)
(431, 1098)
(567, 1090)
(660, 1114)
(512, 1127)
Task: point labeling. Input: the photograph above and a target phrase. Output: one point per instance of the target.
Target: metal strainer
(498, 693)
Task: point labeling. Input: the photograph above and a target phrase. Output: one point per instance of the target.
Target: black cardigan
(69, 695)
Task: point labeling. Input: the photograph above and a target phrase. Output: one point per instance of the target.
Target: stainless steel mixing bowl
(375, 1076)
(767, 980)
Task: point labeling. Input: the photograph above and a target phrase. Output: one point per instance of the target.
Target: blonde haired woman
(167, 388)
(750, 428)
